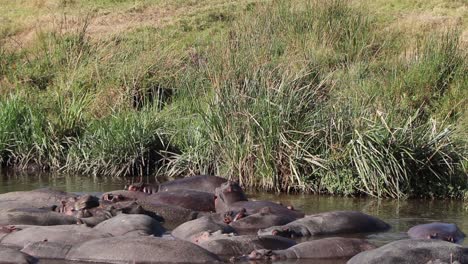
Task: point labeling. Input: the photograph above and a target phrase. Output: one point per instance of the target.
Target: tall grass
(309, 95)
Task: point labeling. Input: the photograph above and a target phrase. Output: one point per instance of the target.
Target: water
(401, 214)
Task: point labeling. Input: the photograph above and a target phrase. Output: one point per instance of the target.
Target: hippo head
(264, 254)
(280, 231)
(232, 216)
(142, 187)
(74, 205)
(229, 193)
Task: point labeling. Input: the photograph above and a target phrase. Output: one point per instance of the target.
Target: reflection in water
(401, 214)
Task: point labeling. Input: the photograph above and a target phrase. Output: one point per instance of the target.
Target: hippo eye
(269, 253)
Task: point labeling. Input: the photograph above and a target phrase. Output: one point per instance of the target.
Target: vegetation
(339, 97)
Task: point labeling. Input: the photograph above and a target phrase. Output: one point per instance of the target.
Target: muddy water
(401, 214)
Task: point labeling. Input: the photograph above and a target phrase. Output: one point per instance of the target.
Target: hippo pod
(327, 248)
(413, 251)
(143, 249)
(230, 197)
(329, 223)
(443, 231)
(203, 183)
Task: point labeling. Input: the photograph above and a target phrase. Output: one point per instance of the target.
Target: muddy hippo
(35, 216)
(327, 248)
(231, 197)
(131, 225)
(231, 245)
(67, 234)
(204, 183)
(9, 255)
(145, 249)
(263, 219)
(436, 230)
(193, 230)
(329, 223)
(413, 251)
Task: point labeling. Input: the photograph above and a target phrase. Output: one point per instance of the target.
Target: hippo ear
(432, 236)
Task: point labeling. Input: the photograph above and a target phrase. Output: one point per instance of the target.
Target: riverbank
(329, 97)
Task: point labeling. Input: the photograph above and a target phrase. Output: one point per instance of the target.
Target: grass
(335, 97)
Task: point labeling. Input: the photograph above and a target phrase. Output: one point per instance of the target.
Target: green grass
(332, 97)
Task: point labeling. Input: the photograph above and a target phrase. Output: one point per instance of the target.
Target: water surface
(401, 214)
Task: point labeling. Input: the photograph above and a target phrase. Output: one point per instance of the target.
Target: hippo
(9, 255)
(263, 219)
(189, 199)
(204, 183)
(66, 234)
(413, 251)
(193, 230)
(142, 249)
(171, 215)
(329, 223)
(443, 231)
(92, 215)
(231, 245)
(77, 204)
(40, 198)
(326, 248)
(230, 197)
(131, 225)
(35, 216)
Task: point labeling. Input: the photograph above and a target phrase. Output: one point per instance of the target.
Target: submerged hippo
(329, 223)
(231, 197)
(327, 248)
(204, 183)
(413, 251)
(436, 230)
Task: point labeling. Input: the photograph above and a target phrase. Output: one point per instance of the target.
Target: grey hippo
(230, 197)
(413, 251)
(443, 231)
(329, 223)
(327, 248)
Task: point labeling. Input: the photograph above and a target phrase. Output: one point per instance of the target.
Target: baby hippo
(327, 248)
(437, 230)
